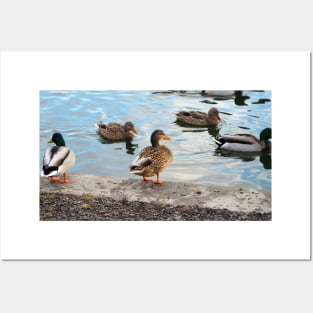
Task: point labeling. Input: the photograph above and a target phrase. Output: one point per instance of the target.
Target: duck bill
(166, 138)
(50, 141)
(133, 132)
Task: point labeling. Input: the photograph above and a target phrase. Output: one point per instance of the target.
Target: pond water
(196, 157)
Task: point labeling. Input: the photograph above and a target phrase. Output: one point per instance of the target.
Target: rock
(133, 199)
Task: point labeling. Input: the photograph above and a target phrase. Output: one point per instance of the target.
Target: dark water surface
(196, 157)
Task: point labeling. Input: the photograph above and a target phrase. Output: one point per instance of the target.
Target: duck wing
(192, 117)
(193, 114)
(240, 138)
(53, 159)
(142, 160)
(115, 127)
(113, 131)
(152, 159)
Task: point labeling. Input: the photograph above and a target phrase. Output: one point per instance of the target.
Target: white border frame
(24, 74)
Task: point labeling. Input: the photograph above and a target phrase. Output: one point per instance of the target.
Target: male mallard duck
(153, 159)
(57, 159)
(221, 93)
(115, 131)
(199, 118)
(245, 142)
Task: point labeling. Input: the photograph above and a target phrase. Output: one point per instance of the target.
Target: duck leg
(158, 181)
(64, 181)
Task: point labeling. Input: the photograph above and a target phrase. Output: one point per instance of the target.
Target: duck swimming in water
(115, 131)
(245, 142)
(198, 118)
(221, 93)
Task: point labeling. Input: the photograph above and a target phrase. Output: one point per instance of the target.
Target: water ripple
(196, 157)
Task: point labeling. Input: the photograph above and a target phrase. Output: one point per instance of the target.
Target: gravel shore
(96, 198)
(65, 207)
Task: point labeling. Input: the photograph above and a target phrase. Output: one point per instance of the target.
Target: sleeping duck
(153, 159)
(57, 160)
(115, 131)
(245, 142)
(198, 118)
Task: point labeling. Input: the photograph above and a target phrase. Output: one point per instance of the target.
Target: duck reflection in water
(265, 157)
(240, 99)
(129, 146)
(212, 130)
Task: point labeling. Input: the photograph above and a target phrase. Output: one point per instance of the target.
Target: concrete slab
(174, 193)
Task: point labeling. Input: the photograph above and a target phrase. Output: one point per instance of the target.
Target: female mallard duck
(245, 142)
(153, 159)
(57, 159)
(115, 131)
(199, 118)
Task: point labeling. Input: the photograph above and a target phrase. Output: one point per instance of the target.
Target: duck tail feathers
(219, 140)
(49, 171)
(139, 164)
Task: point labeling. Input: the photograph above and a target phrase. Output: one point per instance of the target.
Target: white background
(243, 286)
(25, 74)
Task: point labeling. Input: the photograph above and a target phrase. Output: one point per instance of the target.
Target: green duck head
(58, 139)
(266, 134)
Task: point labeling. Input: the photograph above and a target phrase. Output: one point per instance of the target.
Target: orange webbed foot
(158, 181)
(145, 178)
(53, 179)
(64, 181)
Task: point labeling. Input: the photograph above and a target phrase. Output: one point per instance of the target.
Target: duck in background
(152, 160)
(239, 97)
(57, 160)
(221, 93)
(245, 142)
(198, 118)
(115, 131)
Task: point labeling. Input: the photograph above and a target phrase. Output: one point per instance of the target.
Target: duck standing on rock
(57, 160)
(198, 118)
(153, 159)
(115, 131)
(245, 142)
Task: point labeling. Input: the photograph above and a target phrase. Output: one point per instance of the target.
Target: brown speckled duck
(198, 118)
(153, 159)
(115, 131)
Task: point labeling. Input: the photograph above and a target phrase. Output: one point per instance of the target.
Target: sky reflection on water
(196, 157)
